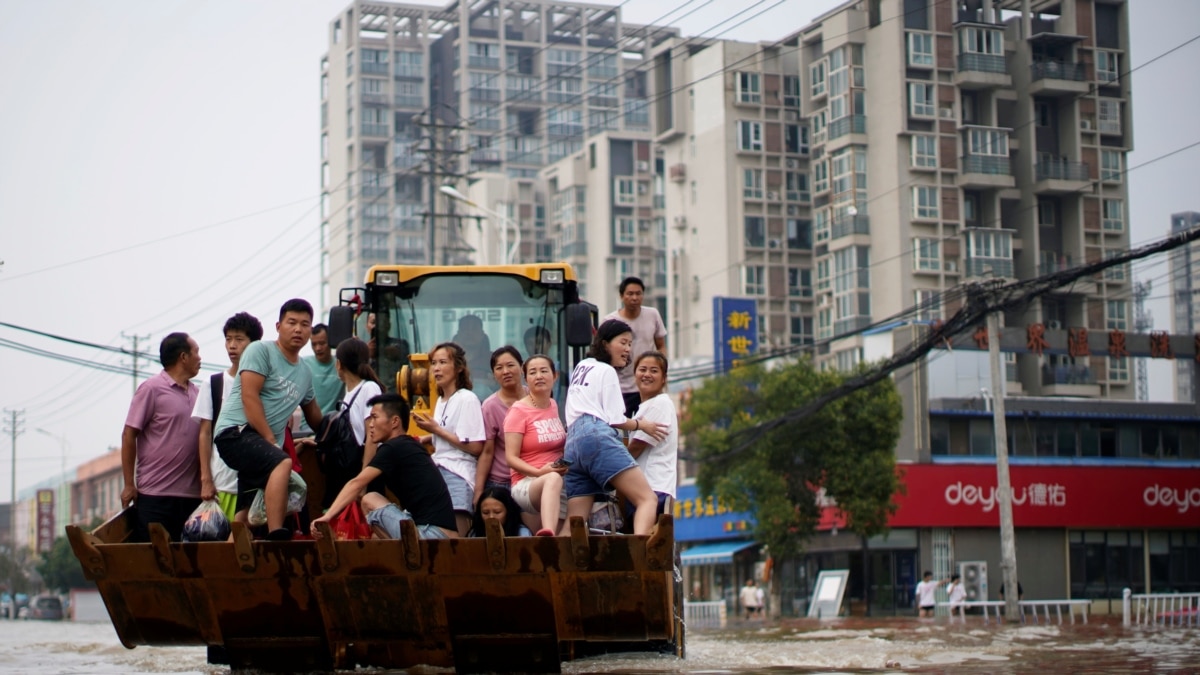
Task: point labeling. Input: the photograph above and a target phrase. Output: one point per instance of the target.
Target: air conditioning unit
(793, 163)
(946, 113)
(974, 580)
(1085, 124)
(642, 187)
(772, 195)
(1054, 325)
(792, 209)
(643, 167)
(680, 222)
(644, 225)
(773, 243)
(951, 266)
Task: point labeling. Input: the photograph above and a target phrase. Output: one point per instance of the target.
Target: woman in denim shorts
(595, 410)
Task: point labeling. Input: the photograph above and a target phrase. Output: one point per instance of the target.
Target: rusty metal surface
(387, 603)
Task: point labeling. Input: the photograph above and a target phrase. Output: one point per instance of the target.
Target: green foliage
(9, 566)
(848, 448)
(60, 569)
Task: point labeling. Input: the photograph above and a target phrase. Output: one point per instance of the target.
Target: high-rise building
(414, 97)
(1185, 306)
(605, 217)
(892, 150)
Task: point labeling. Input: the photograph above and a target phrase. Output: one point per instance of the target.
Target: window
(795, 139)
(928, 304)
(626, 232)
(755, 231)
(1109, 118)
(816, 75)
(799, 282)
(981, 41)
(1112, 165)
(754, 280)
(920, 100)
(752, 183)
(791, 91)
(924, 151)
(749, 88)
(1118, 369)
(1116, 315)
(1108, 65)
(920, 49)
(989, 244)
(926, 254)
(409, 64)
(660, 233)
(992, 142)
(925, 202)
(799, 234)
(625, 191)
(820, 177)
(749, 135)
(1113, 215)
(797, 187)
(1116, 272)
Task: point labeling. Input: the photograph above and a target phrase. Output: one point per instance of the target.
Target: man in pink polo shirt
(160, 456)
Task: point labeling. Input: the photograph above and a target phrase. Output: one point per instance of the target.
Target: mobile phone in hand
(561, 462)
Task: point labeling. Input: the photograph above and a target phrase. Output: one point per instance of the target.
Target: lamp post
(506, 254)
(65, 446)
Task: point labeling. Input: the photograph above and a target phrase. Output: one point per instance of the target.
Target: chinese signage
(1078, 341)
(940, 495)
(735, 331)
(699, 518)
(45, 520)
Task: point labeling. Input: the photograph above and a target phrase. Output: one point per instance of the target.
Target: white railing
(1036, 609)
(1167, 609)
(704, 614)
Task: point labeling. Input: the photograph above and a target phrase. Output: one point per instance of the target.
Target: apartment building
(606, 217)
(1185, 306)
(415, 96)
(727, 116)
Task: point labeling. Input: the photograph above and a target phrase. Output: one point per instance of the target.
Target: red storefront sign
(45, 520)
(964, 495)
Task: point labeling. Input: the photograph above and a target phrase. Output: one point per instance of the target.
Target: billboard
(735, 331)
(45, 520)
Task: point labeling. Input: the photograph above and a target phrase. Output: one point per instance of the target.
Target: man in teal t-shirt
(324, 375)
(270, 383)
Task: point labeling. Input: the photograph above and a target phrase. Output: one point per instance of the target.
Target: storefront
(718, 552)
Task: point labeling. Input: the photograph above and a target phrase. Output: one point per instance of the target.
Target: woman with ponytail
(353, 363)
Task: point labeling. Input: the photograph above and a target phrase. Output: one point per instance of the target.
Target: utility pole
(15, 426)
(135, 338)
(1008, 543)
(1143, 322)
(441, 160)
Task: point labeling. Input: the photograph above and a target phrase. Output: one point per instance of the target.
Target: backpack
(337, 448)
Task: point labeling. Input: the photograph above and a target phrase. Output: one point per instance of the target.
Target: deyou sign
(944, 495)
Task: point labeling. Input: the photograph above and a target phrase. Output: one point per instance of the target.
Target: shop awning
(720, 553)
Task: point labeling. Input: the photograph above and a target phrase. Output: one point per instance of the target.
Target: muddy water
(799, 646)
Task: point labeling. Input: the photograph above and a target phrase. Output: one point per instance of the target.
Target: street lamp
(507, 254)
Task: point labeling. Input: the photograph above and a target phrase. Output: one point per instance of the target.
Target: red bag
(289, 446)
(351, 524)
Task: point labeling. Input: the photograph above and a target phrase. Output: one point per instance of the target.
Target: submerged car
(46, 608)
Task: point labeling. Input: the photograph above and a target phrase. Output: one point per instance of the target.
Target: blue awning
(720, 553)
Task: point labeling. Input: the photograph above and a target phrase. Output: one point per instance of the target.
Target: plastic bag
(297, 499)
(207, 523)
(351, 524)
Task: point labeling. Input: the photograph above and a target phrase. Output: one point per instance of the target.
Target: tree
(846, 449)
(60, 569)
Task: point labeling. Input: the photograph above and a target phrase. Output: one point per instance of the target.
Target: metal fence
(1161, 609)
(705, 614)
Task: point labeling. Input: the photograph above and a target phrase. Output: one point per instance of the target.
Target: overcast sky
(159, 171)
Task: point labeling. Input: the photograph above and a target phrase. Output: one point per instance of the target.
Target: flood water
(853, 645)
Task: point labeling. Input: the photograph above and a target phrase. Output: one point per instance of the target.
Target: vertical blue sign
(735, 331)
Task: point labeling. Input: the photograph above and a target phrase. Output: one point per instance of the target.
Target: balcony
(598, 72)
(991, 268)
(380, 99)
(374, 190)
(982, 71)
(848, 225)
(406, 161)
(1069, 380)
(408, 71)
(525, 157)
(564, 130)
(376, 130)
(554, 68)
(486, 156)
(484, 94)
(603, 101)
(522, 88)
(1057, 175)
(488, 62)
(409, 101)
(373, 68)
(986, 171)
(1054, 262)
(1058, 78)
(852, 124)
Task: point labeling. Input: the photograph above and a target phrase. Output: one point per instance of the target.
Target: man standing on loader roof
(649, 333)
(271, 381)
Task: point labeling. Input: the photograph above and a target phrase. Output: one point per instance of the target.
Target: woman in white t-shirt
(352, 363)
(659, 459)
(456, 429)
(595, 410)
